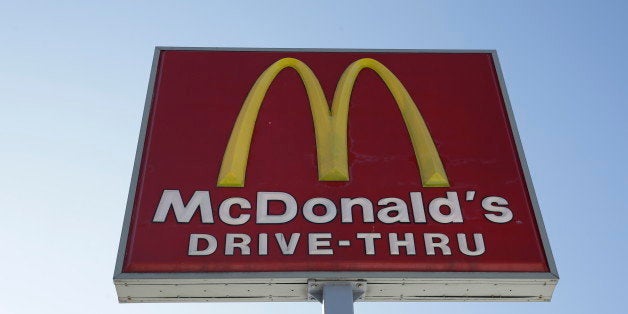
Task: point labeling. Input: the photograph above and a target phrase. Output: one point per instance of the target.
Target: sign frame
(293, 286)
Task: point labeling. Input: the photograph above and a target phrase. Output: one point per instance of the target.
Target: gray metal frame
(292, 286)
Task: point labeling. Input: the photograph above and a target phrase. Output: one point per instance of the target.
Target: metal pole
(338, 298)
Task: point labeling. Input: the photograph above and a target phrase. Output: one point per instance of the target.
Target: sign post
(332, 176)
(338, 298)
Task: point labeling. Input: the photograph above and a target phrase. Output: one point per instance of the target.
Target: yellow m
(330, 126)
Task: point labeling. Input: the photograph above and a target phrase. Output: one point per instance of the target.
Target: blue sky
(73, 79)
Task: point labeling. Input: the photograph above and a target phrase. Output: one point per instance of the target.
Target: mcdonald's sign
(260, 172)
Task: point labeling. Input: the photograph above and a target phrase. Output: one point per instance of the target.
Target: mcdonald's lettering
(330, 125)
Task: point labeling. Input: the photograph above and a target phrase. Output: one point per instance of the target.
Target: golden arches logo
(330, 126)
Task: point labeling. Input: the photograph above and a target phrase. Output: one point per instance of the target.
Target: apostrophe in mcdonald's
(330, 125)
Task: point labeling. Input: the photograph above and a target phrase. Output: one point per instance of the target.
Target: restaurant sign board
(260, 172)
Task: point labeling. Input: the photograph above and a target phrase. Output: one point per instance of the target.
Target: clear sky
(73, 79)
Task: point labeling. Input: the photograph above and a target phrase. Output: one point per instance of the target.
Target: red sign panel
(279, 161)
